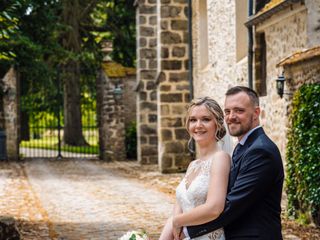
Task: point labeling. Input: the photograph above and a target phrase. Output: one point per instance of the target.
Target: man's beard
(241, 129)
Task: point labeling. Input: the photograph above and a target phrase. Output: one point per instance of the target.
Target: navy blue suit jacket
(252, 209)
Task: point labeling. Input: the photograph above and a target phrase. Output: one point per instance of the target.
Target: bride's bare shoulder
(222, 155)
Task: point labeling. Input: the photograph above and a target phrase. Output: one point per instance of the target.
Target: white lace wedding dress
(190, 195)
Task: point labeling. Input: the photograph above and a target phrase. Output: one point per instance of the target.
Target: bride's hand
(177, 233)
(176, 230)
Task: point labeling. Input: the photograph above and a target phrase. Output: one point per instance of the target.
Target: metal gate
(42, 121)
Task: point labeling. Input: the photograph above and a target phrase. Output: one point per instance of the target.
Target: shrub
(303, 151)
(131, 140)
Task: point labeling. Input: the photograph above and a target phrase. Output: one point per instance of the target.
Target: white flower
(134, 235)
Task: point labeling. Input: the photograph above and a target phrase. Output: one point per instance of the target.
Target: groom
(252, 209)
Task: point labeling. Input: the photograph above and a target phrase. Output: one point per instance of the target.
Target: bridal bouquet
(134, 235)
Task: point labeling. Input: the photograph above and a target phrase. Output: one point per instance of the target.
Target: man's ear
(256, 113)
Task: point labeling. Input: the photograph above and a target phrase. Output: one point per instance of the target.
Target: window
(261, 64)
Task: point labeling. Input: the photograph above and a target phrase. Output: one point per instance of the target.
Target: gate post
(111, 118)
(11, 116)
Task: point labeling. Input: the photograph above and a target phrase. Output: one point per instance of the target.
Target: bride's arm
(168, 232)
(216, 196)
(176, 209)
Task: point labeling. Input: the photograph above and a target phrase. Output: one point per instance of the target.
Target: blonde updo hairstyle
(213, 107)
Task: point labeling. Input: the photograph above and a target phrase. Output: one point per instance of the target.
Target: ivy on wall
(303, 155)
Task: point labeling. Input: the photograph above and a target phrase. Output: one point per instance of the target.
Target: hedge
(303, 155)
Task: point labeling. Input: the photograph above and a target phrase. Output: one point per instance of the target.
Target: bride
(200, 196)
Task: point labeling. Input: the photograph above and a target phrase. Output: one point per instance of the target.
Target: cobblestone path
(69, 199)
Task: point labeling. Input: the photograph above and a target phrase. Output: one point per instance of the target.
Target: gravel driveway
(78, 199)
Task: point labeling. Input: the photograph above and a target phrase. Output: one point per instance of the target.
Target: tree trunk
(71, 76)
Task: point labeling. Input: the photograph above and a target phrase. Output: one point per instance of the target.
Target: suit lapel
(237, 159)
(238, 152)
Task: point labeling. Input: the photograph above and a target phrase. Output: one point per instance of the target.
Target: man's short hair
(250, 92)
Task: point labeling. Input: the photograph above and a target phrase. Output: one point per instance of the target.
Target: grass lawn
(51, 143)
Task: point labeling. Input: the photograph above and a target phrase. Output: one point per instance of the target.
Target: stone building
(284, 29)
(285, 38)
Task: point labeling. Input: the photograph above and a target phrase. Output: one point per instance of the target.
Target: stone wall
(146, 19)
(287, 31)
(281, 41)
(222, 71)
(302, 72)
(173, 89)
(162, 83)
(313, 22)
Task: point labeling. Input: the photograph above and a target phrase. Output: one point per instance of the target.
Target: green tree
(121, 19)
(87, 23)
(27, 43)
(38, 35)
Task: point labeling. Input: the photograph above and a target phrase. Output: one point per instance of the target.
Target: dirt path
(79, 200)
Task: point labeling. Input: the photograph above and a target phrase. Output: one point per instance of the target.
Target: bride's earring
(216, 135)
(191, 145)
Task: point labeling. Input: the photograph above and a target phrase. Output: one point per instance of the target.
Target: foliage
(303, 151)
(32, 33)
(121, 15)
(37, 36)
(26, 34)
(28, 42)
(131, 140)
(8, 26)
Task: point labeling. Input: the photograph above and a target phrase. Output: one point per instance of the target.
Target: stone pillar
(110, 119)
(147, 142)
(173, 89)
(11, 116)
